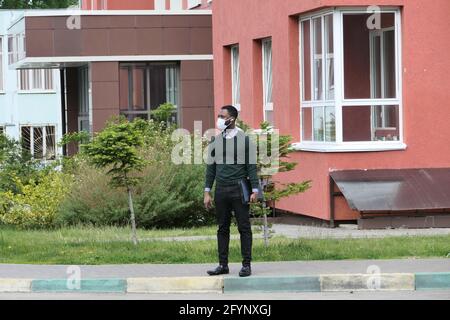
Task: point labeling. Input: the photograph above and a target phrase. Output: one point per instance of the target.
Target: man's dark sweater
(228, 167)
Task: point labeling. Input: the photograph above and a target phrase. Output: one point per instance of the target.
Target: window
(35, 80)
(99, 4)
(267, 80)
(83, 107)
(144, 87)
(318, 83)
(350, 74)
(235, 77)
(194, 3)
(16, 47)
(2, 86)
(39, 141)
(176, 5)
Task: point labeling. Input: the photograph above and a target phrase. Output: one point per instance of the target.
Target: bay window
(235, 77)
(350, 81)
(267, 80)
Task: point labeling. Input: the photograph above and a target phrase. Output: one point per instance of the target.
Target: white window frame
(267, 106)
(31, 82)
(234, 72)
(44, 135)
(373, 34)
(176, 5)
(160, 5)
(339, 100)
(103, 5)
(194, 3)
(17, 51)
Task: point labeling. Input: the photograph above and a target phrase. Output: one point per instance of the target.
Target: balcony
(70, 38)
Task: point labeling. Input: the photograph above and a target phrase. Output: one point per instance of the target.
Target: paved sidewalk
(316, 232)
(196, 270)
(350, 231)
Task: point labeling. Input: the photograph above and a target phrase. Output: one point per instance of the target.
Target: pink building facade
(356, 86)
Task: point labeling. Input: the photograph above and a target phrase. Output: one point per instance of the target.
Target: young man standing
(231, 160)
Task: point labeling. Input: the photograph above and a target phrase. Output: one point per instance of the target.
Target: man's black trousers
(228, 199)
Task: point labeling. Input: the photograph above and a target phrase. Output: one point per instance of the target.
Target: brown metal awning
(395, 190)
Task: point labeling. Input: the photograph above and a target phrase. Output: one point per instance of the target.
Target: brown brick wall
(197, 98)
(119, 35)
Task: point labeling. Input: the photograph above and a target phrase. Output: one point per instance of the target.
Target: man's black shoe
(246, 271)
(219, 270)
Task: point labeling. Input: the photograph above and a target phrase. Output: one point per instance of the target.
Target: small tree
(267, 168)
(116, 148)
(163, 113)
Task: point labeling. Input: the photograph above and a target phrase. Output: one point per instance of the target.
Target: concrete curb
(175, 285)
(87, 285)
(310, 283)
(272, 284)
(15, 285)
(367, 282)
(432, 281)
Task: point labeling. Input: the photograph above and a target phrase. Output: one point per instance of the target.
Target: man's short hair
(232, 111)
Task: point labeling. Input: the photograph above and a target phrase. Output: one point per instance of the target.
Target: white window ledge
(349, 147)
(36, 91)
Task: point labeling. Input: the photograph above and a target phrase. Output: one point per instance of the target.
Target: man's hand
(254, 197)
(207, 201)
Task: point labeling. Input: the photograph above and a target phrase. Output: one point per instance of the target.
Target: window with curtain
(267, 80)
(36, 80)
(235, 77)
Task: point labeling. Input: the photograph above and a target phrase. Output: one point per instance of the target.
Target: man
(232, 158)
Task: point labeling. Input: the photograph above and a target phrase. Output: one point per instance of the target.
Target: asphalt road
(385, 295)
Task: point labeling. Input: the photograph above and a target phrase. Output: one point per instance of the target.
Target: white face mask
(221, 124)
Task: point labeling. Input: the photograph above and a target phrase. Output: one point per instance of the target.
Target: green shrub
(36, 205)
(166, 195)
(15, 164)
(172, 196)
(91, 199)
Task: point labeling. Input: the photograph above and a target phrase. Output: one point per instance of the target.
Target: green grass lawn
(111, 246)
(106, 234)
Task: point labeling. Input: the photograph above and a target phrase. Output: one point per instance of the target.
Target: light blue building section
(26, 108)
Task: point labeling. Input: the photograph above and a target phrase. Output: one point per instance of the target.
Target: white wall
(17, 109)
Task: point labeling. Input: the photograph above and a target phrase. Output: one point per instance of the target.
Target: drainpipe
(332, 205)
